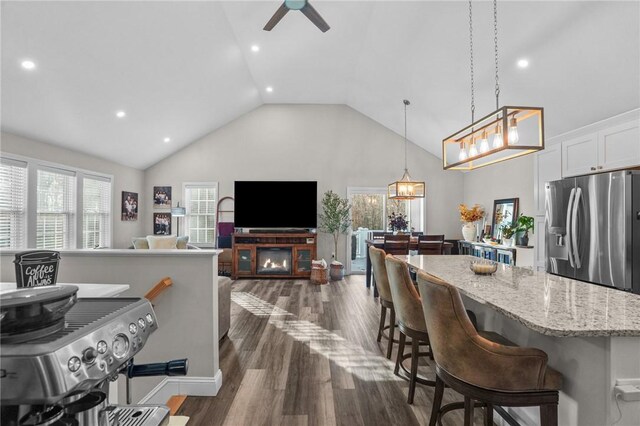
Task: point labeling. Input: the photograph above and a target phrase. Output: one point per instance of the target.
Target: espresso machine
(59, 353)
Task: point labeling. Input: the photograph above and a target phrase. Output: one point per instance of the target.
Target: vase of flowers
(398, 223)
(469, 216)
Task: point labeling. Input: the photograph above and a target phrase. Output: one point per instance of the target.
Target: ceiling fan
(304, 7)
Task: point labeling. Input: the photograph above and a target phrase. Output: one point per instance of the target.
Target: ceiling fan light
(295, 4)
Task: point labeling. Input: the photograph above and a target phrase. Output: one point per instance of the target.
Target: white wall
(332, 144)
(509, 179)
(125, 179)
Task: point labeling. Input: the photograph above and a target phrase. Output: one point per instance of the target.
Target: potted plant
(335, 220)
(524, 224)
(398, 223)
(507, 234)
(469, 216)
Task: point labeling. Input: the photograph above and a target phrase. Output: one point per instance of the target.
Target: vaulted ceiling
(182, 69)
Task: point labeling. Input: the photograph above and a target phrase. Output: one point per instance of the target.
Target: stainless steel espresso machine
(59, 353)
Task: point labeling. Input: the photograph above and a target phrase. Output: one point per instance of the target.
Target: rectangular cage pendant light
(406, 188)
(509, 132)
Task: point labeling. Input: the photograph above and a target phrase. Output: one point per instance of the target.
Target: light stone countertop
(546, 303)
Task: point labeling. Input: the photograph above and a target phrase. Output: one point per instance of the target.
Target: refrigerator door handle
(574, 228)
(569, 210)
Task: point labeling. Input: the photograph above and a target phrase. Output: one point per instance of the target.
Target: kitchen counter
(590, 333)
(546, 303)
(84, 289)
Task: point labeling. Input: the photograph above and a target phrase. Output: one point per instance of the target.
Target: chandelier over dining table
(406, 188)
(506, 133)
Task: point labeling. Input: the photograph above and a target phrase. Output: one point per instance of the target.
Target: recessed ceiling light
(167, 140)
(28, 64)
(523, 63)
(255, 48)
(121, 114)
(269, 89)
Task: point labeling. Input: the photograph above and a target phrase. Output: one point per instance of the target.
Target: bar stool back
(379, 269)
(411, 323)
(481, 369)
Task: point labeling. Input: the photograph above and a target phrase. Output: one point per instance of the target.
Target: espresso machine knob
(89, 355)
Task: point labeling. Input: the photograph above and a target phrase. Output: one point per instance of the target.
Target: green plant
(525, 224)
(334, 218)
(508, 231)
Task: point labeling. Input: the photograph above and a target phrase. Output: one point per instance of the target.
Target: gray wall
(125, 179)
(512, 178)
(333, 144)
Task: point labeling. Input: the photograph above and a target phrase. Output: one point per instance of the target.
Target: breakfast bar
(591, 333)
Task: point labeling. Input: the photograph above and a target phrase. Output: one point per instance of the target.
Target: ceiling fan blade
(315, 17)
(282, 10)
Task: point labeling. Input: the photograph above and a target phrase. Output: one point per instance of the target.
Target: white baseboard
(192, 386)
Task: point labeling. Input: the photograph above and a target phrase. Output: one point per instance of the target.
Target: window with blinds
(13, 203)
(56, 198)
(201, 212)
(96, 212)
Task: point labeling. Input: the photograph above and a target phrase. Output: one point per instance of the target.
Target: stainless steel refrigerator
(592, 226)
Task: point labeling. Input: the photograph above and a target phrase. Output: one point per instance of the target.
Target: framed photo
(162, 224)
(161, 197)
(129, 206)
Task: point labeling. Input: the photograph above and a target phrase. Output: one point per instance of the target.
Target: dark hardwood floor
(305, 354)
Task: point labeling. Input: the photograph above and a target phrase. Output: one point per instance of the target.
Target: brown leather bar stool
(386, 302)
(481, 369)
(411, 323)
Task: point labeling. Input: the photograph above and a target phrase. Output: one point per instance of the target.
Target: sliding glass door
(370, 209)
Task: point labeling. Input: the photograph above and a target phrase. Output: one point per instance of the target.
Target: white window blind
(13, 203)
(56, 197)
(96, 212)
(201, 213)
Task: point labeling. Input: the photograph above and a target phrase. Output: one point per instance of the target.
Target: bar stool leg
(383, 315)
(468, 411)
(415, 348)
(403, 338)
(437, 402)
(392, 329)
(549, 415)
(488, 415)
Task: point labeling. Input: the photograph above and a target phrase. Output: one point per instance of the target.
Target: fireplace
(273, 261)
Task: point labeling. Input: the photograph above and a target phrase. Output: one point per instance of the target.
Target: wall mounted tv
(276, 204)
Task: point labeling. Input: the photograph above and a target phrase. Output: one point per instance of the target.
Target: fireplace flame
(266, 264)
(284, 263)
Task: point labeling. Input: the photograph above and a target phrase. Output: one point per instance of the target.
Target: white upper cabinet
(619, 146)
(547, 167)
(611, 147)
(580, 155)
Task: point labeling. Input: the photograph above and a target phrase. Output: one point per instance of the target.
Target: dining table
(379, 243)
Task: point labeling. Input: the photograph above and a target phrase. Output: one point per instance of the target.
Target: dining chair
(431, 244)
(397, 244)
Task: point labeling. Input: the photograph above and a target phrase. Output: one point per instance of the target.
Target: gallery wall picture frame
(162, 224)
(161, 197)
(129, 206)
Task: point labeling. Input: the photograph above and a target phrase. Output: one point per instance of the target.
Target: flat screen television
(276, 204)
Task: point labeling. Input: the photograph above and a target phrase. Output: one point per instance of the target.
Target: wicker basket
(320, 275)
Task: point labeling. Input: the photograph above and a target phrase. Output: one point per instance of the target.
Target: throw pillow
(181, 242)
(164, 242)
(140, 243)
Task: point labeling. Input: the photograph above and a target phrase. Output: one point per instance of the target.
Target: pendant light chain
(495, 42)
(473, 100)
(406, 102)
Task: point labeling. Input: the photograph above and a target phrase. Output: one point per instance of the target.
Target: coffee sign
(36, 268)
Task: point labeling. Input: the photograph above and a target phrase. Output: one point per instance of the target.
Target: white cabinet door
(547, 167)
(619, 146)
(539, 249)
(580, 155)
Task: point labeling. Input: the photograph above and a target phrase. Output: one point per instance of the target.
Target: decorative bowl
(483, 267)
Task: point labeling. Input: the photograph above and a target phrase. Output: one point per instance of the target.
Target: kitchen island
(591, 333)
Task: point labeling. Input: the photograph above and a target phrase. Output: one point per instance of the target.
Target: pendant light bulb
(497, 138)
(484, 143)
(473, 149)
(463, 152)
(513, 132)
